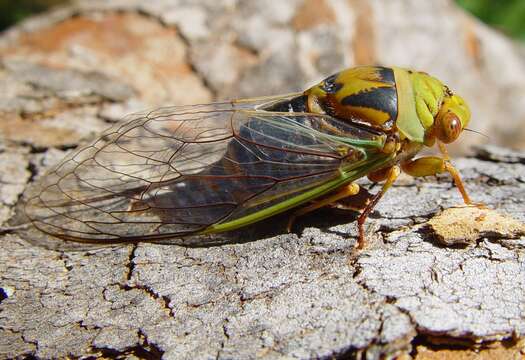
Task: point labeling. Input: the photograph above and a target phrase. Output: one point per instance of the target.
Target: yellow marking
(358, 80)
(391, 146)
(313, 104)
(377, 117)
(342, 150)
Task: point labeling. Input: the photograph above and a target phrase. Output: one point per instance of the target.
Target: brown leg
(349, 190)
(391, 175)
(458, 182)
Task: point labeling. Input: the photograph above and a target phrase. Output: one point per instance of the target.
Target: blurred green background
(12, 11)
(505, 15)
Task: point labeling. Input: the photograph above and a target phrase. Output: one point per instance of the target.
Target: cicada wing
(96, 193)
(176, 171)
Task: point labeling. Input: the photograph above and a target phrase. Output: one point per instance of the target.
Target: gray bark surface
(308, 294)
(304, 295)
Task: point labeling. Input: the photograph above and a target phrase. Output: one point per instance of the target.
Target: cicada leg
(456, 177)
(389, 175)
(433, 165)
(354, 203)
(349, 190)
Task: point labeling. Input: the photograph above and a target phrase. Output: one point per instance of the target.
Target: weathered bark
(64, 78)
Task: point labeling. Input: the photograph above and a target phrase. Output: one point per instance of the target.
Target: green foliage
(12, 11)
(507, 15)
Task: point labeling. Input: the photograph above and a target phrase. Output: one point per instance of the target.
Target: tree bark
(68, 74)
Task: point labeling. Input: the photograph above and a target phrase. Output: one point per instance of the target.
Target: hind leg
(347, 191)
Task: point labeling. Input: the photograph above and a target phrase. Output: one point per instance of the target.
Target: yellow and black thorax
(390, 99)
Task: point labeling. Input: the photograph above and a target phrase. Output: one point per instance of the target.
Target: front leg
(389, 175)
(433, 165)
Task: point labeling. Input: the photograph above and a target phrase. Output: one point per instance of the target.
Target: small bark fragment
(466, 225)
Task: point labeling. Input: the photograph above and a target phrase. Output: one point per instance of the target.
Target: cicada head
(453, 116)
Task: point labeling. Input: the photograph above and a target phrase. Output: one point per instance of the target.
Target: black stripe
(387, 75)
(383, 99)
(330, 86)
(297, 104)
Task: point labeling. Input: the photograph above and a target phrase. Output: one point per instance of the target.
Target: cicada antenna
(477, 132)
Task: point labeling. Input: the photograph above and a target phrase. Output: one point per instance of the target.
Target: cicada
(188, 172)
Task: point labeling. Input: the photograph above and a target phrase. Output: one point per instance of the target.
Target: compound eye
(450, 128)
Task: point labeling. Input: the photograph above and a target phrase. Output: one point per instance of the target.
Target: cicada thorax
(365, 94)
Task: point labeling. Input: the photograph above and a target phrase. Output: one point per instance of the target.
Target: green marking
(376, 143)
(407, 122)
(429, 95)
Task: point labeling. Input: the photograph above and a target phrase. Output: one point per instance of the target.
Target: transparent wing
(175, 171)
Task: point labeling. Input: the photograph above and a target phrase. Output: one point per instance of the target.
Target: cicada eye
(449, 128)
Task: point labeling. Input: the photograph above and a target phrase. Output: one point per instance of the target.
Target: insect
(188, 172)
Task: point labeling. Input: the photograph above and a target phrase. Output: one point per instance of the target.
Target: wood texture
(68, 74)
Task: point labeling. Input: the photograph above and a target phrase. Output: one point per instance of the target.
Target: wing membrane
(176, 171)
